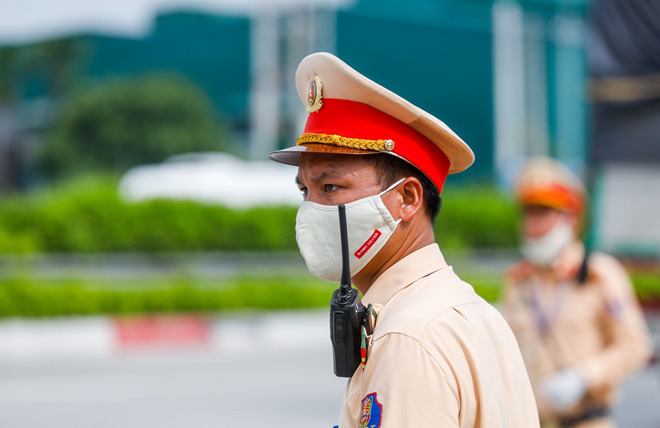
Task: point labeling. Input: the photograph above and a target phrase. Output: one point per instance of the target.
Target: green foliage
(30, 297)
(86, 215)
(475, 217)
(19, 243)
(22, 297)
(118, 124)
(647, 286)
(487, 286)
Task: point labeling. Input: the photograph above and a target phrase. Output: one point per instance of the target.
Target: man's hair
(390, 168)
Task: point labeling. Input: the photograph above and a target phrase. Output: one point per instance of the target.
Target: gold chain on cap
(339, 141)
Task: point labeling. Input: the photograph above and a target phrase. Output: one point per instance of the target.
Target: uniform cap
(350, 114)
(544, 181)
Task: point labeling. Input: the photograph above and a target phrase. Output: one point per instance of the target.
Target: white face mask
(370, 225)
(545, 251)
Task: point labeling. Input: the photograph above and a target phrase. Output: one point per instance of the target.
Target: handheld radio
(347, 313)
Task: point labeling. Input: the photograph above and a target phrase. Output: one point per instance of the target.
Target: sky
(34, 20)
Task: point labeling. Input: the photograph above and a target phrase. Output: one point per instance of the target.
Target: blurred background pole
(300, 41)
(539, 86)
(308, 28)
(264, 81)
(537, 136)
(570, 105)
(280, 36)
(509, 96)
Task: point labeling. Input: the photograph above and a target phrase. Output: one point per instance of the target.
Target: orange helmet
(545, 181)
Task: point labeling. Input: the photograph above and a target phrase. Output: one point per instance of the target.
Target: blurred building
(624, 62)
(509, 76)
(244, 55)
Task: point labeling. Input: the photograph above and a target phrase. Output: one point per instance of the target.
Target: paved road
(258, 381)
(257, 377)
(640, 401)
(185, 390)
(276, 390)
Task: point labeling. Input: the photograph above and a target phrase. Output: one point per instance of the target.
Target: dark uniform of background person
(579, 327)
(439, 355)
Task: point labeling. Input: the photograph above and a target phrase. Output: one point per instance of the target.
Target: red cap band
(351, 119)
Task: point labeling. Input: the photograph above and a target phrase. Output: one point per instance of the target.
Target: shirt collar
(400, 275)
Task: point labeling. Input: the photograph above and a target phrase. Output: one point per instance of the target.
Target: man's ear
(412, 195)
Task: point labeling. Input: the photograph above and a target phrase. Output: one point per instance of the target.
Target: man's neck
(390, 255)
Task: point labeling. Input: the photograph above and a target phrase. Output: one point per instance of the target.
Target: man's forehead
(328, 165)
(332, 158)
(319, 173)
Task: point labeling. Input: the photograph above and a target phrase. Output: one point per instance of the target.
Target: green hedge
(476, 217)
(26, 297)
(87, 216)
(647, 286)
(29, 297)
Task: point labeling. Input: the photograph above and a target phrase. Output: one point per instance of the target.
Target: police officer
(578, 325)
(439, 355)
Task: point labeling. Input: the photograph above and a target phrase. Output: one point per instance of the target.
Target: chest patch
(372, 412)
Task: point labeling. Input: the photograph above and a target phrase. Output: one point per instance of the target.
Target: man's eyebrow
(328, 173)
(322, 176)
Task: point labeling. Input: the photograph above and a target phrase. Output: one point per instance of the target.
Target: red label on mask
(365, 247)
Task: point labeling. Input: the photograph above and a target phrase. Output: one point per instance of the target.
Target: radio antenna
(346, 267)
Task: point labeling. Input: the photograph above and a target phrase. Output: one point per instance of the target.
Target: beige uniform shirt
(440, 356)
(596, 328)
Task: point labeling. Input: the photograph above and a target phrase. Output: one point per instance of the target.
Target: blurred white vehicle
(213, 177)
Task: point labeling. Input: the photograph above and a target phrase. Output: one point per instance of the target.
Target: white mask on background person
(545, 250)
(370, 225)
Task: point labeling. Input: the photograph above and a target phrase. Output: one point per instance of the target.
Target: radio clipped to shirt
(347, 313)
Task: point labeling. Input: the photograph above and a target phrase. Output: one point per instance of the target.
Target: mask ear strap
(392, 186)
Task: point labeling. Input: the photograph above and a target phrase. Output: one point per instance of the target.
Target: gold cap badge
(314, 96)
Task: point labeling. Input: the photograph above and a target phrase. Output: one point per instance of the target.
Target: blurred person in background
(579, 327)
(439, 355)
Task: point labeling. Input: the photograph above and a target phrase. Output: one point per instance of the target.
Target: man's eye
(329, 188)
